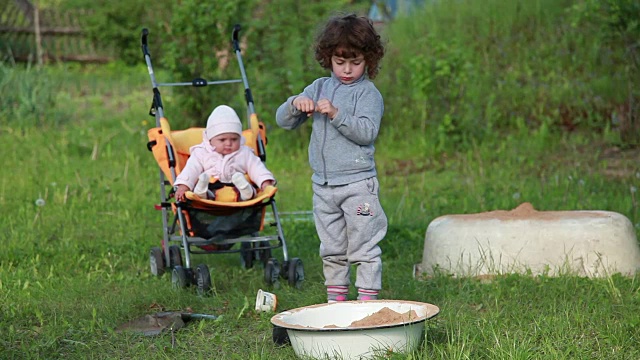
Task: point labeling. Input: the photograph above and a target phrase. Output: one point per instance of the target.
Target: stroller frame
(177, 224)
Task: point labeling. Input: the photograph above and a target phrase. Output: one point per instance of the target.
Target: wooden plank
(36, 23)
(68, 42)
(62, 36)
(43, 31)
(64, 58)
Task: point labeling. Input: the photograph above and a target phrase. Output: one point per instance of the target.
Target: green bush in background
(117, 24)
(458, 72)
(200, 46)
(280, 59)
(473, 69)
(275, 41)
(193, 39)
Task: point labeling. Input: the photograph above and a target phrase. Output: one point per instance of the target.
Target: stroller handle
(234, 37)
(145, 48)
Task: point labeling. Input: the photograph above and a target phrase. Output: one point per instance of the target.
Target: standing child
(222, 155)
(346, 109)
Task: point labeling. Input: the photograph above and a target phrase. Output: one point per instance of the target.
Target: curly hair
(350, 36)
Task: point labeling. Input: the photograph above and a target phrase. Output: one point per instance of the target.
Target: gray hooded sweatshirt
(341, 150)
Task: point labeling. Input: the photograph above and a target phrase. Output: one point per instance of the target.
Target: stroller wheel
(156, 260)
(175, 258)
(284, 269)
(296, 273)
(203, 279)
(264, 254)
(246, 255)
(272, 272)
(179, 277)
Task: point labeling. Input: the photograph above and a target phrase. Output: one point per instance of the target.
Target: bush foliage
(460, 72)
(478, 68)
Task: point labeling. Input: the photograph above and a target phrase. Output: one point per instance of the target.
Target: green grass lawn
(75, 268)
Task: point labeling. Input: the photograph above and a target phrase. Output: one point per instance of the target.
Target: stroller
(202, 226)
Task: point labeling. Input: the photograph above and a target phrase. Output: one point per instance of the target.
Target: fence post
(36, 23)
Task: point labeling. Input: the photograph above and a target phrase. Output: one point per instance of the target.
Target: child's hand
(181, 189)
(304, 104)
(326, 107)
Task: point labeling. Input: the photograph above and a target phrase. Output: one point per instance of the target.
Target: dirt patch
(154, 324)
(384, 316)
(527, 211)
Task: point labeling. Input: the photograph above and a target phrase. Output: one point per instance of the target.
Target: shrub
(473, 69)
(116, 24)
(27, 97)
(278, 59)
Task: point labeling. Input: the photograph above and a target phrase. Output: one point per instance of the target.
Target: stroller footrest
(256, 239)
(198, 241)
(162, 205)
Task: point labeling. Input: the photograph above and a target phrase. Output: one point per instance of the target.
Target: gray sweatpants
(350, 222)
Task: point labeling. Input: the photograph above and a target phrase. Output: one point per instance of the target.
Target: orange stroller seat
(181, 141)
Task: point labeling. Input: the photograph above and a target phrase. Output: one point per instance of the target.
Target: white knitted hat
(223, 119)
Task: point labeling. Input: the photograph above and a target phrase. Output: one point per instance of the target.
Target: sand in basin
(384, 316)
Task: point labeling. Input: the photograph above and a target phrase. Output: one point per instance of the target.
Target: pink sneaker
(338, 298)
(365, 294)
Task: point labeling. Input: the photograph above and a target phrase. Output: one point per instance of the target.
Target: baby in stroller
(223, 157)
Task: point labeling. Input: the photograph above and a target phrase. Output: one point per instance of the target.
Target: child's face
(225, 143)
(348, 70)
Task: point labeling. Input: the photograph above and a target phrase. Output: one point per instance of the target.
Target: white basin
(325, 331)
(584, 243)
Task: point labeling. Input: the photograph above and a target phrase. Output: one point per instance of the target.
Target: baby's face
(225, 143)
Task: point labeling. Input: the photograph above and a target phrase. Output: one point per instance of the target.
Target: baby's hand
(304, 104)
(326, 107)
(267, 183)
(180, 190)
